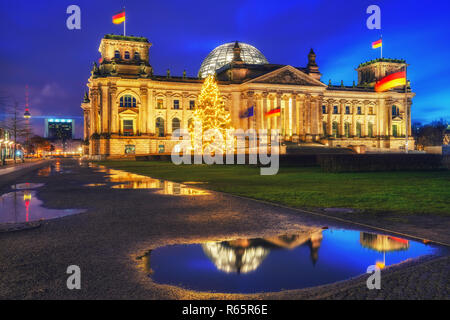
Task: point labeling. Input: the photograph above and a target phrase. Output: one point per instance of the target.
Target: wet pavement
(111, 241)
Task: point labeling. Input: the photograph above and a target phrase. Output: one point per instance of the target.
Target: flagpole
(125, 24)
(381, 46)
(406, 110)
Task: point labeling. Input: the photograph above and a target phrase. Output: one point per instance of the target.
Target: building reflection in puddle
(128, 180)
(24, 206)
(310, 258)
(383, 244)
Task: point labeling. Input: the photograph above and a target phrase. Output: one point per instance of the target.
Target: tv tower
(27, 114)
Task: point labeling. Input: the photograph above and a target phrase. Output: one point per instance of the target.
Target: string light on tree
(210, 114)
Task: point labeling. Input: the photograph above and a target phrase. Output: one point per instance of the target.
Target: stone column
(258, 112)
(151, 112)
(354, 109)
(287, 114)
(278, 120)
(86, 125)
(184, 106)
(342, 103)
(113, 110)
(264, 110)
(242, 107)
(104, 109)
(143, 111)
(94, 111)
(329, 116)
(250, 103)
(294, 115)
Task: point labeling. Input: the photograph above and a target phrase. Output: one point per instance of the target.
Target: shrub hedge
(379, 162)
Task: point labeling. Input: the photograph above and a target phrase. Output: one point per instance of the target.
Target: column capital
(143, 91)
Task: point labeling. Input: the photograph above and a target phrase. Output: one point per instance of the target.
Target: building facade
(63, 129)
(129, 110)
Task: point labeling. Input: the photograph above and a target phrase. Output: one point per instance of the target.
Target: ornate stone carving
(288, 77)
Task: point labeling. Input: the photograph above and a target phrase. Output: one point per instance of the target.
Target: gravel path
(121, 225)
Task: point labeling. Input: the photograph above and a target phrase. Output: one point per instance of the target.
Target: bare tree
(15, 123)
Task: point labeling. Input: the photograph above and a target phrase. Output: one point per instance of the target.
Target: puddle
(128, 180)
(303, 260)
(26, 186)
(24, 206)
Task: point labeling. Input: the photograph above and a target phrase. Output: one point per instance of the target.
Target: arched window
(160, 127)
(175, 124)
(127, 55)
(347, 129)
(335, 129)
(137, 56)
(358, 129)
(117, 54)
(127, 101)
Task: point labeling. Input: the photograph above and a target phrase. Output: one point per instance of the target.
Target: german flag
(377, 44)
(119, 17)
(273, 113)
(391, 81)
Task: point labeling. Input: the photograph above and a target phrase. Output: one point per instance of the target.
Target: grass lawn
(406, 192)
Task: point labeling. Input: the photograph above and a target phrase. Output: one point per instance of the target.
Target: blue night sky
(37, 49)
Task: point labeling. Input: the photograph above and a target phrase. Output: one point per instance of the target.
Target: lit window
(127, 101)
(160, 127)
(358, 129)
(175, 124)
(128, 127)
(347, 129)
(335, 129)
(370, 129)
(159, 104)
(395, 111)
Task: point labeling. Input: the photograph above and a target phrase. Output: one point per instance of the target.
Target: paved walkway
(4, 170)
(121, 225)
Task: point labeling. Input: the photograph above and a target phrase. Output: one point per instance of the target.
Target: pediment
(288, 75)
(128, 112)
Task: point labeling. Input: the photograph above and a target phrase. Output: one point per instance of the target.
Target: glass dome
(223, 54)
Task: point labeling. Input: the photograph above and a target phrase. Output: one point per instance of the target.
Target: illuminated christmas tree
(210, 113)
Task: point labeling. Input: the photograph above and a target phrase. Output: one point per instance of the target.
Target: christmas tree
(210, 113)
